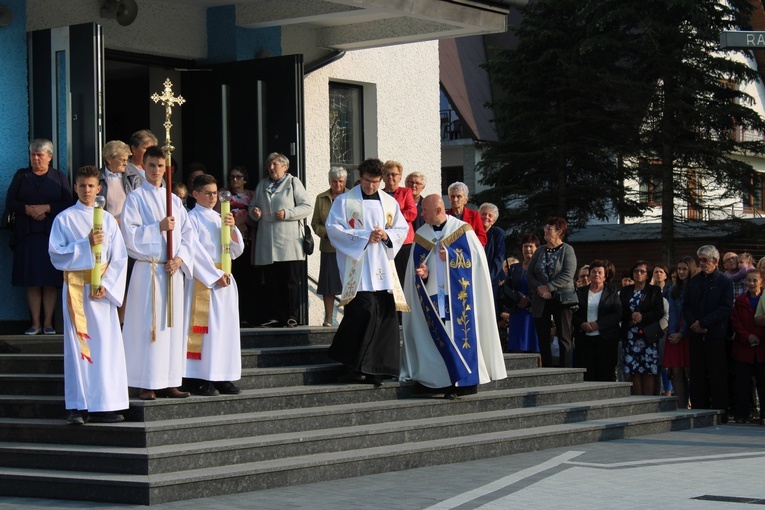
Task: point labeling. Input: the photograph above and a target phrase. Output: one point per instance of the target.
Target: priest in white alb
(155, 352)
(451, 340)
(367, 229)
(213, 353)
(95, 379)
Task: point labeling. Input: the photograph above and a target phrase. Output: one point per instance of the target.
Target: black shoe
(106, 417)
(75, 418)
(227, 388)
(203, 389)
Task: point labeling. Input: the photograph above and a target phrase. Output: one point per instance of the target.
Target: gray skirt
(329, 276)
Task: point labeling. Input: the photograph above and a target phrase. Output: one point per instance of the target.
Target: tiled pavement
(718, 468)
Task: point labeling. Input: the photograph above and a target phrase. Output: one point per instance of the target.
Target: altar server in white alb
(367, 229)
(95, 379)
(213, 354)
(155, 352)
(451, 340)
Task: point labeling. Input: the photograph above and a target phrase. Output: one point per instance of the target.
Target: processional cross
(168, 100)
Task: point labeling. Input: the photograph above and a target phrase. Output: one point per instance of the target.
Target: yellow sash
(75, 297)
(154, 264)
(200, 318)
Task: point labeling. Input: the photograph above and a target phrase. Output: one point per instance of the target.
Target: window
(449, 175)
(755, 200)
(650, 183)
(346, 132)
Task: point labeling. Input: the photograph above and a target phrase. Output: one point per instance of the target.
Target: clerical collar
(439, 228)
(373, 196)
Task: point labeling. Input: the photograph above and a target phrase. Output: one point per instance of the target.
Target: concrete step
(35, 363)
(250, 476)
(254, 424)
(35, 383)
(250, 337)
(223, 452)
(265, 399)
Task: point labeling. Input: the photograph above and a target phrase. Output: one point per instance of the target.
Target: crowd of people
(393, 255)
(694, 331)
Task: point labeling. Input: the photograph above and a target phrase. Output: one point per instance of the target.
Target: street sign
(743, 40)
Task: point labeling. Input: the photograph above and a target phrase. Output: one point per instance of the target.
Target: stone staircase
(294, 424)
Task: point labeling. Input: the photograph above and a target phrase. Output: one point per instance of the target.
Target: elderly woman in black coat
(596, 323)
(37, 194)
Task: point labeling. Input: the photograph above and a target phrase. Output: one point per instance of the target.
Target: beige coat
(280, 240)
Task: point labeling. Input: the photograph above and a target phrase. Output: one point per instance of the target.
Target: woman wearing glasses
(642, 307)
(552, 269)
(243, 267)
(416, 182)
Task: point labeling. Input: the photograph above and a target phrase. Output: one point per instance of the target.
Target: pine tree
(595, 87)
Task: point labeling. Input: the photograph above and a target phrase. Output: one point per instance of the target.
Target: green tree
(562, 117)
(697, 106)
(594, 84)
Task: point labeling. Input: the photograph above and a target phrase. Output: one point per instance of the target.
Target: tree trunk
(667, 206)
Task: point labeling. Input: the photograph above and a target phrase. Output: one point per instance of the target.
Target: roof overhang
(358, 24)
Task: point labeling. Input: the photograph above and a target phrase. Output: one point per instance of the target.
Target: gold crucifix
(168, 100)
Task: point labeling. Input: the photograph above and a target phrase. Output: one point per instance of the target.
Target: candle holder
(225, 233)
(98, 226)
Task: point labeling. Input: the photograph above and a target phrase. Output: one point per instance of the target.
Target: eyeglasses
(550, 227)
(412, 183)
(703, 260)
(370, 181)
(640, 271)
(209, 194)
(237, 177)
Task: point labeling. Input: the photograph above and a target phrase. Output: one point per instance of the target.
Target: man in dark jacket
(706, 309)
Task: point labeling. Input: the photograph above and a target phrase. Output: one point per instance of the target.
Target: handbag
(308, 244)
(8, 221)
(652, 333)
(568, 298)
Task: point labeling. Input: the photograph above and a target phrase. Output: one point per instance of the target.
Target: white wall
(401, 84)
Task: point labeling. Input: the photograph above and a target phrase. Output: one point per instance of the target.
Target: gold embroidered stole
(200, 318)
(354, 216)
(75, 297)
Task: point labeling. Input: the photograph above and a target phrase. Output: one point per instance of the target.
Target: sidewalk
(709, 468)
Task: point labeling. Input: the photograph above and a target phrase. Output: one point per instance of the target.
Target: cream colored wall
(150, 33)
(401, 113)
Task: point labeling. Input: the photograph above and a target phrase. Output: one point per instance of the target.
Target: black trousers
(709, 373)
(598, 356)
(561, 315)
(744, 373)
(282, 280)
